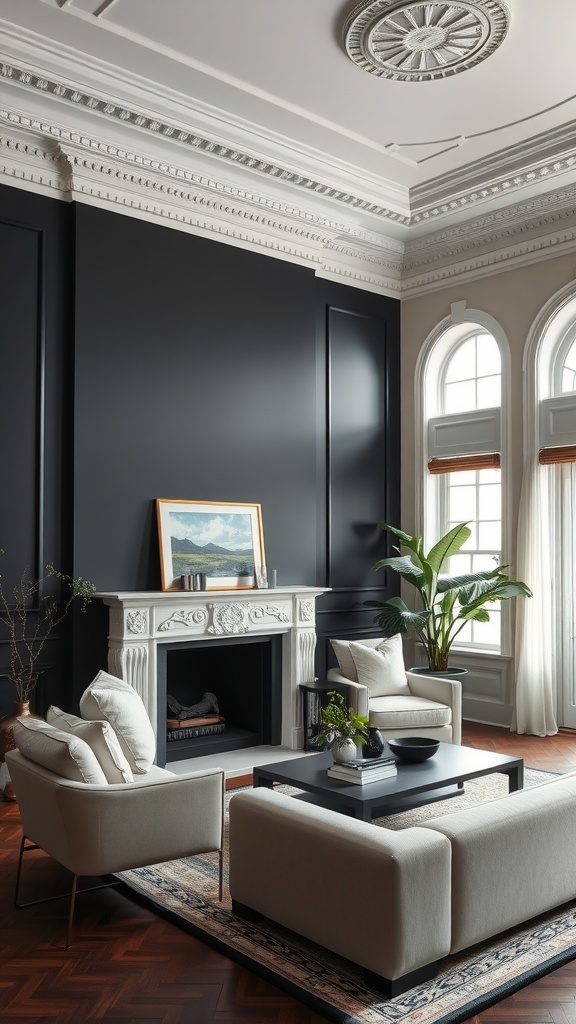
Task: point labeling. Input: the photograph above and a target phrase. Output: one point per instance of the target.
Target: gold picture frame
(222, 541)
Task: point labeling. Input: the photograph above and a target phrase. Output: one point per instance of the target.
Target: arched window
(461, 386)
(546, 626)
(568, 380)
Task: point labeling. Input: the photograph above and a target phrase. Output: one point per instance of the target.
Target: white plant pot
(345, 751)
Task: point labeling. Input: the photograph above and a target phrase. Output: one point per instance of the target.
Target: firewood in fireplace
(208, 705)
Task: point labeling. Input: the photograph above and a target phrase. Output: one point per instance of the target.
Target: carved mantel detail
(140, 621)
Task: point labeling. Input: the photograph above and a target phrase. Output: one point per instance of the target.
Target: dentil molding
(267, 209)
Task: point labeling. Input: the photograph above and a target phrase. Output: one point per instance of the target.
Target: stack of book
(190, 728)
(363, 770)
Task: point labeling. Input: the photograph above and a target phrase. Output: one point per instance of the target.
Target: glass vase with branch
(31, 615)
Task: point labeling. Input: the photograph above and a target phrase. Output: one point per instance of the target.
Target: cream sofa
(396, 902)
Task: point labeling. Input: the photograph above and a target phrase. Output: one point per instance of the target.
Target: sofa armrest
(316, 872)
(357, 694)
(444, 691)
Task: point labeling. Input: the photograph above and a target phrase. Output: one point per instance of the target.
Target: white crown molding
(77, 168)
(265, 209)
(266, 154)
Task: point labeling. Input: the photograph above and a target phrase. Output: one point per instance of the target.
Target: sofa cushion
(101, 739)
(519, 850)
(110, 698)
(408, 713)
(381, 669)
(60, 752)
(341, 648)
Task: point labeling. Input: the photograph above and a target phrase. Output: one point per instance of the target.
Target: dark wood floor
(128, 966)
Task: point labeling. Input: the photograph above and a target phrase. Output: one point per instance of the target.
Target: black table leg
(258, 782)
(515, 777)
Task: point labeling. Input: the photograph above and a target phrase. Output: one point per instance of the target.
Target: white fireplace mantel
(141, 620)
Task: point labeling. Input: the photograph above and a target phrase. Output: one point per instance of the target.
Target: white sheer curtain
(535, 657)
(564, 477)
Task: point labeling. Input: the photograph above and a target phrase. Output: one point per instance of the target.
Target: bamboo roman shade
(553, 456)
(458, 464)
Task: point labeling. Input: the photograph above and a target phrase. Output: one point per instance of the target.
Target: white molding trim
(209, 189)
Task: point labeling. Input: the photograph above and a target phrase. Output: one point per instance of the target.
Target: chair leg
(71, 912)
(220, 872)
(23, 849)
(48, 899)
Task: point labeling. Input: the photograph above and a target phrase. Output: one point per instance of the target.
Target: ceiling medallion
(418, 41)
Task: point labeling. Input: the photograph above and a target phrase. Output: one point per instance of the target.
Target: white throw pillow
(101, 739)
(117, 702)
(341, 649)
(59, 752)
(381, 669)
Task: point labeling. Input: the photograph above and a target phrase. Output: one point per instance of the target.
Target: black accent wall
(139, 362)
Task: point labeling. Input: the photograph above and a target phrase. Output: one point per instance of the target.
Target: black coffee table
(442, 776)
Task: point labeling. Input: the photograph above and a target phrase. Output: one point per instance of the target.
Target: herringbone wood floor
(128, 966)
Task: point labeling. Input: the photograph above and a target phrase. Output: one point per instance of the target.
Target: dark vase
(374, 745)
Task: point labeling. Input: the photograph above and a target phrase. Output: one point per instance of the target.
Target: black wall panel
(358, 336)
(34, 413)
(357, 407)
(181, 367)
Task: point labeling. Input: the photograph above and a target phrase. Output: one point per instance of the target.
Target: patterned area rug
(186, 892)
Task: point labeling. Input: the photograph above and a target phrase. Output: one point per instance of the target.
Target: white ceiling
(259, 100)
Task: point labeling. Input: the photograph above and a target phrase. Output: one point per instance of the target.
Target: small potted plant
(341, 728)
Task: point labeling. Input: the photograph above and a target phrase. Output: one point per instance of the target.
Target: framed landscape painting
(222, 540)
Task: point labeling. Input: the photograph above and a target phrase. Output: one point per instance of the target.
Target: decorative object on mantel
(448, 602)
(262, 578)
(221, 541)
(26, 641)
(341, 728)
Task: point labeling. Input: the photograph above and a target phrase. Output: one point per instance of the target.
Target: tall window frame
(550, 441)
(432, 486)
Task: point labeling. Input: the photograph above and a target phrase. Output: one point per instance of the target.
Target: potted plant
(29, 627)
(448, 602)
(341, 728)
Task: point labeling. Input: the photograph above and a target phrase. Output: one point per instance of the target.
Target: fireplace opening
(244, 674)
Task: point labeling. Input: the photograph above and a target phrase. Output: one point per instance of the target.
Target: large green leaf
(394, 616)
(405, 567)
(456, 582)
(448, 545)
(413, 543)
(497, 589)
(478, 614)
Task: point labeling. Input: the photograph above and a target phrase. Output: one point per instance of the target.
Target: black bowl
(413, 748)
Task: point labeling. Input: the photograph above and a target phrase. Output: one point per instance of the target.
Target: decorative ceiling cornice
(163, 129)
(196, 183)
(547, 155)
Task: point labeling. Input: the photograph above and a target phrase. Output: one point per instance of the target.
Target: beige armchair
(397, 702)
(99, 829)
